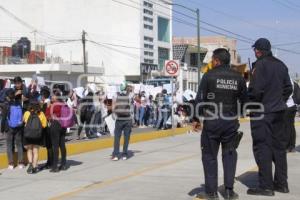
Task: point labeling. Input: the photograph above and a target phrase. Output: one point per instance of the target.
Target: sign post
(172, 69)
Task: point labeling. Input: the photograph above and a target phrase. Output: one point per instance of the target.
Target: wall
(104, 20)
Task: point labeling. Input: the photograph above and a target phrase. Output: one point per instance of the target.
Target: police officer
(270, 86)
(217, 100)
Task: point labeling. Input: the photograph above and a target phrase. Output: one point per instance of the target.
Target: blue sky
(277, 20)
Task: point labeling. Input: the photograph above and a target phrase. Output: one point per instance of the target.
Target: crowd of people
(37, 116)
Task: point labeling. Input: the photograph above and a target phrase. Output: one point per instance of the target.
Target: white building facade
(127, 38)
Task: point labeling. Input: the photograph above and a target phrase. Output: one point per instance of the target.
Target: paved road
(163, 169)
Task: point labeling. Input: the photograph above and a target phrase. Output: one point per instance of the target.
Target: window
(163, 29)
(148, 46)
(149, 12)
(146, 26)
(149, 61)
(148, 19)
(147, 4)
(194, 59)
(148, 39)
(148, 53)
(163, 55)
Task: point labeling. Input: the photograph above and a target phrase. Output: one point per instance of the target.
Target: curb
(95, 145)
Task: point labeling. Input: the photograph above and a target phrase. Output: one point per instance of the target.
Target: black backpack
(33, 128)
(296, 93)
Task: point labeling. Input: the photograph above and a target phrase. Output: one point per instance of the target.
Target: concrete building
(211, 43)
(125, 37)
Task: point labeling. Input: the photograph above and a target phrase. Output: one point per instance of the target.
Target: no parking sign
(172, 67)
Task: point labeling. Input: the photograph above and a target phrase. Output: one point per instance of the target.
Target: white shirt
(290, 102)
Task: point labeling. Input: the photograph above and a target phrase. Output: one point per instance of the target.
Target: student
(15, 128)
(57, 133)
(45, 103)
(35, 121)
(87, 111)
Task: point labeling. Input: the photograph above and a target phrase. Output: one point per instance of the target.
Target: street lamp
(197, 12)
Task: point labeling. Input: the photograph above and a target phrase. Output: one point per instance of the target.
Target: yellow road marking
(122, 178)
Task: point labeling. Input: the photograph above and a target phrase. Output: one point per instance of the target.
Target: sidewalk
(163, 169)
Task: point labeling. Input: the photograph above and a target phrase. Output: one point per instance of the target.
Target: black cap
(262, 44)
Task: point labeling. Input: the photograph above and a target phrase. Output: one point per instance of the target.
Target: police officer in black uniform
(217, 101)
(270, 86)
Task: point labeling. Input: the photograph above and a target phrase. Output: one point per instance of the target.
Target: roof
(59, 68)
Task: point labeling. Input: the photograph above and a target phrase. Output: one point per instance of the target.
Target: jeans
(162, 117)
(126, 126)
(58, 135)
(142, 115)
(14, 136)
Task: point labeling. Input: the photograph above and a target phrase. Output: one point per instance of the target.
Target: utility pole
(199, 63)
(85, 71)
(84, 52)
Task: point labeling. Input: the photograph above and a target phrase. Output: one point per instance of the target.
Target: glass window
(149, 61)
(148, 39)
(148, 53)
(149, 12)
(148, 46)
(148, 19)
(146, 26)
(147, 4)
(163, 55)
(163, 29)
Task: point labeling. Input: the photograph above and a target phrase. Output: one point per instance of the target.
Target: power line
(245, 39)
(241, 40)
(239, 18)
(29, 26)
(286, 5)
(292, 3)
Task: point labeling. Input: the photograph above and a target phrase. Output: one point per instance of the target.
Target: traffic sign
(172, 67)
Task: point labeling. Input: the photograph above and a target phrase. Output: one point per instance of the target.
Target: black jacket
(223, 87)
(270, 84)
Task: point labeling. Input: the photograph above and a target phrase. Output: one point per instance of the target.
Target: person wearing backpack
(57, 133)
(35, 121)
(15, 129)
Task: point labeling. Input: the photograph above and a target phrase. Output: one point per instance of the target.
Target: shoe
(208, 196)
(46, 166)
(114, 158)
(54, 170)
(99, 134)
(35, 170)
(10, 167)
(281, 189)
(124, 157)
(30, 169)
(230, 194)
(260, 192)
(21, 166)
(63, 167)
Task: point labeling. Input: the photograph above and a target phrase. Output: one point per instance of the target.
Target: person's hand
(18, 92)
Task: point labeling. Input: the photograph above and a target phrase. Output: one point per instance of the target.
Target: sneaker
(99, 134)
(10, 167)
(114, 158)
(124, 157)
(21, 166)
